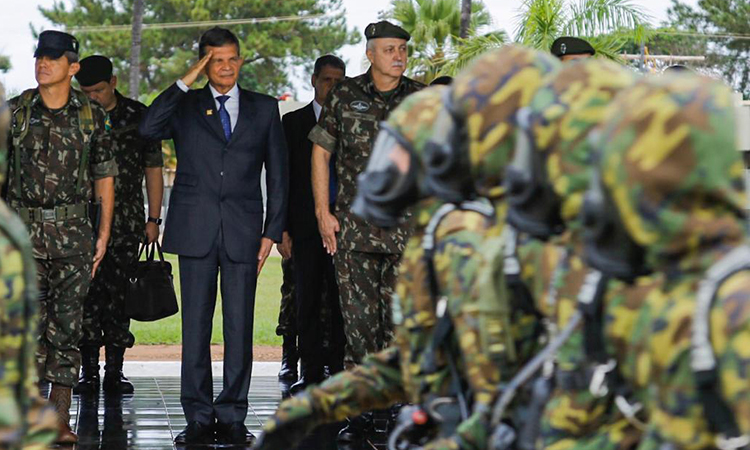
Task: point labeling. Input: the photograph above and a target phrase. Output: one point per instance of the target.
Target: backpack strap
(702, 357)
(87, 127)
(20, 119)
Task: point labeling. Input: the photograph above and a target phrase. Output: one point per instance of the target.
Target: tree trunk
(465, 18)
(135, 49)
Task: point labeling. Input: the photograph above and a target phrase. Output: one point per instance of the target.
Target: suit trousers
(198, 279)
(315, 285)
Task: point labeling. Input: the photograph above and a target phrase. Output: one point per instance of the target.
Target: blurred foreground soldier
(25, 419)
(568, 48)
(314, 274)
(60, 160)
(456, 171)
(365, 256)
(669, 195)
(442, 377)
(104, 320)
(546, 184)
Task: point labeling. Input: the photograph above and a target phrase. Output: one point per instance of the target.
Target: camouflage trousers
(287, 317)
(63, 285)
(104, 320)
(366, 282)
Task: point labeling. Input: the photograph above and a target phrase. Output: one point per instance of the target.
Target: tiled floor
(153, 416)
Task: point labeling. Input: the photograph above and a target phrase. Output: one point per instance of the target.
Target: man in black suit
(223, 136)
(313, 266)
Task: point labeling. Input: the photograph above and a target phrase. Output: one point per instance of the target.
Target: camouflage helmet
(4, 130)
(670, 167)
(393, 179)
(475, 140)
(551, 164)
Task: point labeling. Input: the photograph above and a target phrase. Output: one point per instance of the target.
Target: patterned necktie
(226, 123)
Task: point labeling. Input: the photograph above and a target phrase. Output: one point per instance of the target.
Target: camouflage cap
(414, 118)
(4, 130)
(486, 97)
(385, 29)
(571, 102)
(670, 163)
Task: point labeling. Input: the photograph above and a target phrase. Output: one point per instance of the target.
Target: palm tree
(606, 24)
(435, 27)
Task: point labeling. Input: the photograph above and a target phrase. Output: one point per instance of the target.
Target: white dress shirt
(317, 109)
(232, 104)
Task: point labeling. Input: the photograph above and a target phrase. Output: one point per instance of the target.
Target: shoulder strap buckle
(598, 386)
(725, 443)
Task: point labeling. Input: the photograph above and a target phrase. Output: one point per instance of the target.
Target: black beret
(55, 43)
(385, 29)
(444, 80)
(94, 69)
(568, 45)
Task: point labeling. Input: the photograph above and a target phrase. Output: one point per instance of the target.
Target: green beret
(568, 45)
(385, 29)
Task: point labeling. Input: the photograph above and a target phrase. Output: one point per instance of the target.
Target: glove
(294, 419)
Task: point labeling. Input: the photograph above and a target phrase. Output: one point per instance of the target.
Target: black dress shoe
(234, 433)
(195, 433)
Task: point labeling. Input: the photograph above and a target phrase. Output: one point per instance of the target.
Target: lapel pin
(209, 112)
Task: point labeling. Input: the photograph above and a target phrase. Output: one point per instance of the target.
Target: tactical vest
(21, 117)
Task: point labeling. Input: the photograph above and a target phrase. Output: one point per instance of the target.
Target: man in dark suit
(223, 136)
(313, 266)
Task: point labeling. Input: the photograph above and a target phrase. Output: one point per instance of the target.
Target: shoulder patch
(359, 105)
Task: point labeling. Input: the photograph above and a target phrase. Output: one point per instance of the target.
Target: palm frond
(595, 17)
(467, 50)
(540, 22)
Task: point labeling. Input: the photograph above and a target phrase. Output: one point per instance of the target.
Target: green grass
(267, 297)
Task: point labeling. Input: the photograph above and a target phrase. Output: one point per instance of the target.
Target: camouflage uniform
(25, 421)
(104, 320)
(63, 250)
(672, 172)
(408, 371)
(367, 256)
(287, 318)
(563, 111)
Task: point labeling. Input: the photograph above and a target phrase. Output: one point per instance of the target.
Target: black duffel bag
(150, 292)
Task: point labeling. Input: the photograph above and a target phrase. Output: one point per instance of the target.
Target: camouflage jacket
(132, 154)
(347, 127)
(50, 158)
(22, 413)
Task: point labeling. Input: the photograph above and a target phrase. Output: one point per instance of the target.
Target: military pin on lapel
(209, 112)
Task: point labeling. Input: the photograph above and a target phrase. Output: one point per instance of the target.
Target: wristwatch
(156, 220)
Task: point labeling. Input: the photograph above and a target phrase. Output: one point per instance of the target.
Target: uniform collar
(369, 85)
(74, 98)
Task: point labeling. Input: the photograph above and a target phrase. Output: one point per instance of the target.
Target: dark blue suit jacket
(218, 182)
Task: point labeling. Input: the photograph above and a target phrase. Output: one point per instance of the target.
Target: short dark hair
(217, 37)
(328, 60)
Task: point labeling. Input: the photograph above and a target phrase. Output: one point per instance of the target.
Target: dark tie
(226, 123)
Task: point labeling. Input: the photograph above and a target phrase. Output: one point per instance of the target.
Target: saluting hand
(196, 69)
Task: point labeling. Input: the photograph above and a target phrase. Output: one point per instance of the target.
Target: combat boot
(88, 383)
(289, 358)
(115, 381)
(60, 398)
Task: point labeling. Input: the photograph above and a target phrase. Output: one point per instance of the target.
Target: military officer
(60, 162)
(104, 320)
(365, 256)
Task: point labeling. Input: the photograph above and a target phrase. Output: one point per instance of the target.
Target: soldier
(545, 185)
(669, 195)
(287, 320)
(569, 48)
(25, 419)
(365, 256)
(104, 320)
(61, 160)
